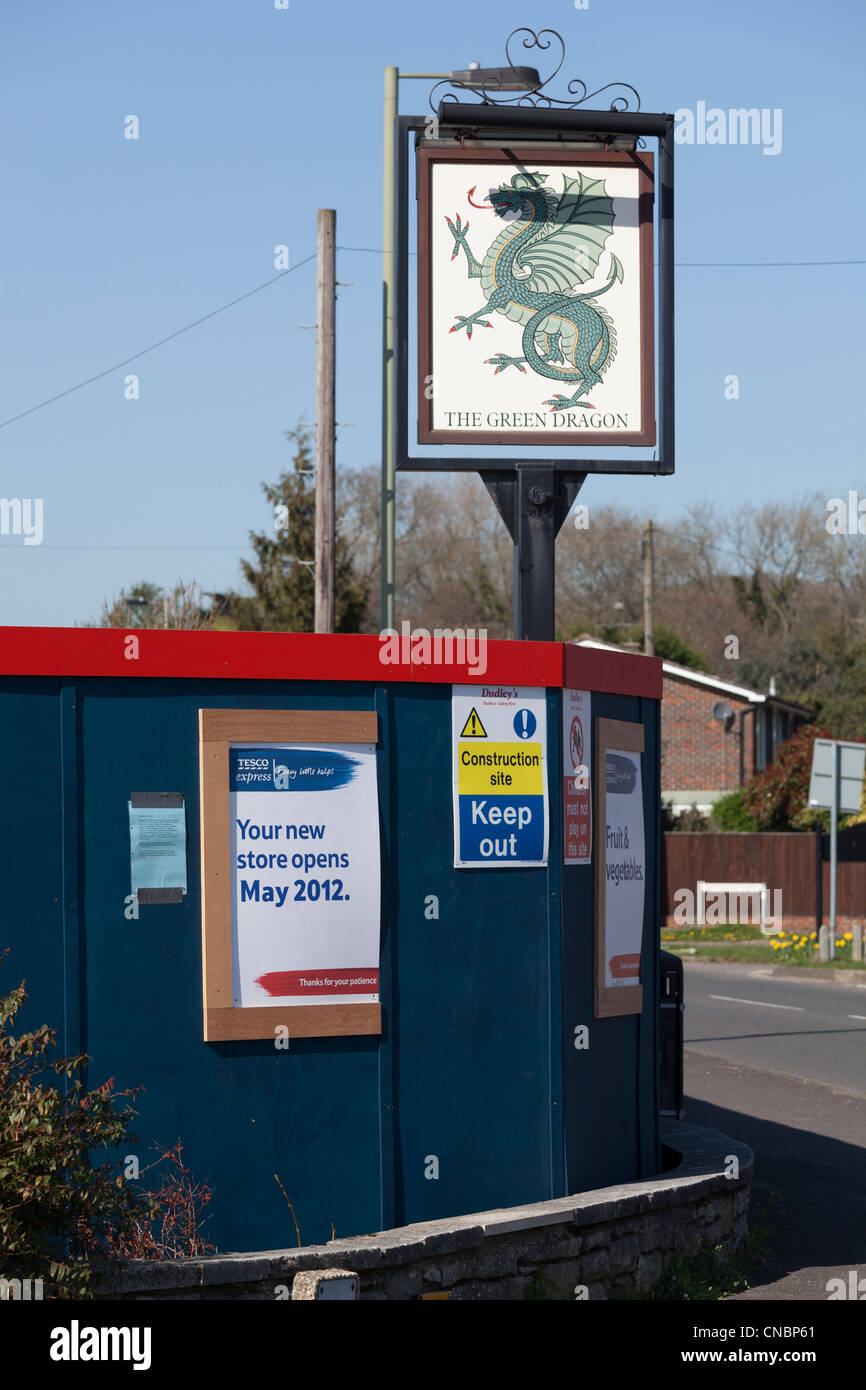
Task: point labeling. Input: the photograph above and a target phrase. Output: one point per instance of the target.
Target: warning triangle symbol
(473, 728)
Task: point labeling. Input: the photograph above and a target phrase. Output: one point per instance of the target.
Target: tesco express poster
(306, 874)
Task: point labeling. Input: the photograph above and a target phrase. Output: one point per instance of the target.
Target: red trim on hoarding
(283, 656)
(617, 673)
(57, 651)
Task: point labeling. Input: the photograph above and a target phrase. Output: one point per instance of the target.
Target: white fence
(756, 896)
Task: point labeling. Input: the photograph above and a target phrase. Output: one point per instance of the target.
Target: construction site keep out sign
(499, 742)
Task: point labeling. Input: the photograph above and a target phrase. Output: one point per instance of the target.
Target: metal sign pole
(836, 784)
(534, 503)
(536, 539)
(392, 78)
(834, 821)
(533, 495)
(326, 302)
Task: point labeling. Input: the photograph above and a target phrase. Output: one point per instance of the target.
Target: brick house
(715, 735)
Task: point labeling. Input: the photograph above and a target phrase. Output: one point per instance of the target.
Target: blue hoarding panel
(473, 1097)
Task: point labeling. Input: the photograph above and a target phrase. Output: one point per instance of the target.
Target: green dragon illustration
(531, 271)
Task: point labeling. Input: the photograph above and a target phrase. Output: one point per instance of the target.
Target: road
(781, 1064)
(803, 1028)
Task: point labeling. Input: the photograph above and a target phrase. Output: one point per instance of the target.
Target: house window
(760, 740)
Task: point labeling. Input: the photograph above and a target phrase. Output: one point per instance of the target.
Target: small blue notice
(157, 837)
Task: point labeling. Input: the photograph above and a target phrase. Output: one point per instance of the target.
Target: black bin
(671, 1005)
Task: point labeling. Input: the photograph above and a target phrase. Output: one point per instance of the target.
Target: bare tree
(148, 605)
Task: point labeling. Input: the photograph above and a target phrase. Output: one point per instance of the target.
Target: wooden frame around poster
(223, 1022)
(618, 1000)
(519, 158)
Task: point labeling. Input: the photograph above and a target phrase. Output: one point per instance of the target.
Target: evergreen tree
(669, 645)
(281, 575)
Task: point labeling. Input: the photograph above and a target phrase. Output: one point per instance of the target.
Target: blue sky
(251, 118)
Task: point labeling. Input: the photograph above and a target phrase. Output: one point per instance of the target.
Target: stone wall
(589, 1245)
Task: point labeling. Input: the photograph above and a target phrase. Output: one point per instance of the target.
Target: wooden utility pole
(325, 371)
(649, 645)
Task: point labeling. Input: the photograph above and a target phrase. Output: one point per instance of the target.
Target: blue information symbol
(524, 723)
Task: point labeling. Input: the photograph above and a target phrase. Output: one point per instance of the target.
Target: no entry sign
(576, 789)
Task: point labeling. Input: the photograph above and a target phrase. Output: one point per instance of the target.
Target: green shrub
(690, 820)
(778, 798)
(729, 813)
(62, 1219)
(59, 1212)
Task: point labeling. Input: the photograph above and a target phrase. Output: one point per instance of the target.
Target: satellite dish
(723, 712)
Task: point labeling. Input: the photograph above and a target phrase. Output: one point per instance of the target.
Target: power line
(374, 250)
(688, 540)
(739, 264)
(378, 251)
(371, 250)
(161, 342)
(19, 549)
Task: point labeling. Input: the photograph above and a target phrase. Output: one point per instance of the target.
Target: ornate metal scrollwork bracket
(626, 97)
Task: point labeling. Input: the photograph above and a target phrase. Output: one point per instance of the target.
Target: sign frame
(218, 728)
(517, 159)
(458, 125)
(619, 1000)
(847, 775)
